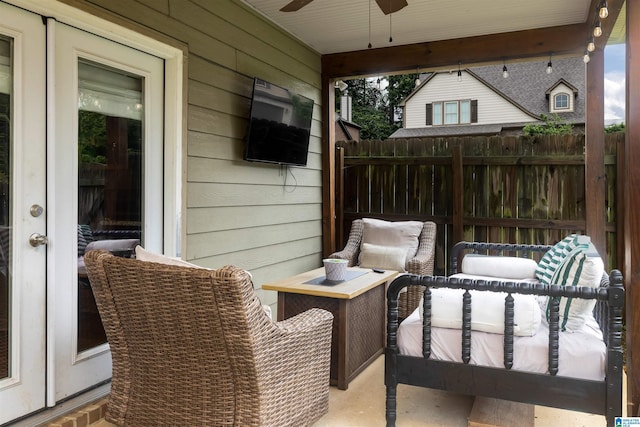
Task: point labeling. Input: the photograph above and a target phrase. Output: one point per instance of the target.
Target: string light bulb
(549, 66)
(604, 10)
(597, 30)
(586, 58)
(417, 77)
(459, 73)
(591, 45)
(505, 72)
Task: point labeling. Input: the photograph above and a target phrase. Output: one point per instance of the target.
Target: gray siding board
(221, 171)
(200, 19)
(213, 98)
(251, 66)
(244, 239)
(199, 43)
(204, 71)
(217, 194)
(257, 258)
(262, 30)
(215, 122)
(209, 219)
(161, 6)
(215, 146)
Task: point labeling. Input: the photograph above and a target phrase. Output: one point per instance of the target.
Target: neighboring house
(346, 130)
(481, 101)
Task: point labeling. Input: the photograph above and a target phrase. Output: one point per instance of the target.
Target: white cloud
(614, 97)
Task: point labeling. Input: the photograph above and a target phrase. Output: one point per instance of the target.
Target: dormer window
(561, 101)
(562, 97)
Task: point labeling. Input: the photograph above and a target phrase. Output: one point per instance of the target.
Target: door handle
(36, 240)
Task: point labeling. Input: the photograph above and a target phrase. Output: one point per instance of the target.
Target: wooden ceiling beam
(559, 41)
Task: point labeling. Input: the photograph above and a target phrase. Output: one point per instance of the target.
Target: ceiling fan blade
(295, 5)
(391, 6)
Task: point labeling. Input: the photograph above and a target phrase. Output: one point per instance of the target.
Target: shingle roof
(437, 131)
(528, 83)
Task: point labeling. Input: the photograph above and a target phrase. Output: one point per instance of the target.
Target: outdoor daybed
(561, 358)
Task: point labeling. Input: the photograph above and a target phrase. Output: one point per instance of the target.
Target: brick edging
(83, 417)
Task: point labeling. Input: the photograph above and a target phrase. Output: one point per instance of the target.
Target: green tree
(553, 125)
(374, 106)
(616, 127)
(400, 86)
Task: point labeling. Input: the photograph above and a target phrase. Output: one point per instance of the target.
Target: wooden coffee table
(358, 307)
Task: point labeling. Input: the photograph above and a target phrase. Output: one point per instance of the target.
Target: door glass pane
(5, 202)
(110, 159)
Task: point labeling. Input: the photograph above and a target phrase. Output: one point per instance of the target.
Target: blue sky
(614, 81)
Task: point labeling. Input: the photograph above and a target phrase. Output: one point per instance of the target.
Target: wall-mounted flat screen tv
(279, 125)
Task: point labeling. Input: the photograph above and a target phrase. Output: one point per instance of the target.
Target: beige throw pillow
(385, 257)
(399, 234)
(144, 255)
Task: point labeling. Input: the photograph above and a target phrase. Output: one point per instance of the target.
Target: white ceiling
(332, 26)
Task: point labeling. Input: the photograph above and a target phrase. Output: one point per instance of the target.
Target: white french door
(82, 157)
(105, 175)
(22, 186)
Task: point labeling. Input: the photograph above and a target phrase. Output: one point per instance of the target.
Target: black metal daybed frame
(598, 397)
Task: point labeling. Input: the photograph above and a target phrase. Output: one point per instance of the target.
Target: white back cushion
(505, 267)
(399, 234)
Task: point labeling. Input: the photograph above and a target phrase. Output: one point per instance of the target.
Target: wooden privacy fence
(494, 189)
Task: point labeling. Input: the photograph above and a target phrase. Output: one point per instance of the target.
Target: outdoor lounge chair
(421, 263)
(193, 346)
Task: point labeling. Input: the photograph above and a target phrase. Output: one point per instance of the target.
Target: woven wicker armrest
(352, 248)
(422, 262)
(293, 369)
(311, 319)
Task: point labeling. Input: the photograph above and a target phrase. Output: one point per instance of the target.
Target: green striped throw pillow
(555, 256)
(581, 267)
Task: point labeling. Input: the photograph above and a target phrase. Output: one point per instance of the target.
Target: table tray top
(365, 279)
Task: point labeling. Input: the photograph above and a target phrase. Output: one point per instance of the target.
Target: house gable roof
(563, 82)
(528, 82)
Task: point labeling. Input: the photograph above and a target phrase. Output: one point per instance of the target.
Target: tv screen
(279, 125)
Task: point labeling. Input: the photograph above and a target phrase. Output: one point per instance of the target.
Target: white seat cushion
(487, 309)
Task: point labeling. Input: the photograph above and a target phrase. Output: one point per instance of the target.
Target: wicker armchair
(194, 347)
(421, 264)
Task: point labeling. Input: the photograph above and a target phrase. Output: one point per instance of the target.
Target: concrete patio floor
(363, 405)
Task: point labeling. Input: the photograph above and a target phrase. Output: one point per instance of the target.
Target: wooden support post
(594, 158)
(631, 183)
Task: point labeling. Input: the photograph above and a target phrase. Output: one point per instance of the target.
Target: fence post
(458, 193)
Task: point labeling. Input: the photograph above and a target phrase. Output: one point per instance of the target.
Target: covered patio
(234, 212)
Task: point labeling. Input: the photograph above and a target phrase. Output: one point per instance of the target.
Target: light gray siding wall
(492, 108)
(260, 217)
